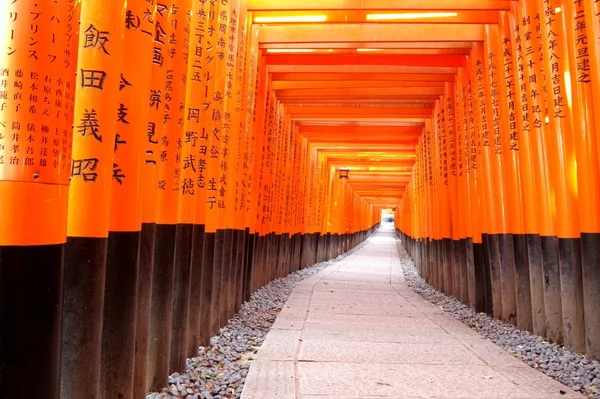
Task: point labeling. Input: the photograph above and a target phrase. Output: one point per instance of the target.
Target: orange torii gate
(162, 160)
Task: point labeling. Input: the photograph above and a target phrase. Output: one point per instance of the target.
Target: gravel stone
(220, 369)
(571, 369)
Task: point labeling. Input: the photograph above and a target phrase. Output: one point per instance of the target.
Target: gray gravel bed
(571, 369)
(220, 369)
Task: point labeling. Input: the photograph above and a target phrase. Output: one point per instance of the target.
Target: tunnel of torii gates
(162, 160)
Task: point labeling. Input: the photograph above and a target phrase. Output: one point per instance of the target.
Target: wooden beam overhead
(354, 163)
(361, 76)
(325, 52)
(355, 123)
(358, 130)
(369, 149)
(360, 16)
(362, 102)
(344, 69)
(315, 84)
(370, 105)
(382, 5)
(414, 45)
(371, 121)
(457, 61)
(370, 33)
(362, 91)
(388, 111)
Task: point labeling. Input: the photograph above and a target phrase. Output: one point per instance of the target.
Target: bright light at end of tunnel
(290, 50)
(568, 87)
(367, 49)
(557, 10)
(415, 15)
(547, 119)
(292, 18)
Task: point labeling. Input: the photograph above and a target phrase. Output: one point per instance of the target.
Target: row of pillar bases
(521, 279)
(112, 318)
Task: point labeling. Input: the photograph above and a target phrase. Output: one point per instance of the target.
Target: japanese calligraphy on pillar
(240, 114)
(170, 122)
(36, 91)
(214, 65)
(154, 137)
(184, 87)
(510, 75)
(482, 103)
(263, 162)
(449, 162)
(231, 119)
(97, 90)
(473, 137)
(132, 115)
(256, 135)
(248, 95)
(522, 80)
(554, 46)
(492, 63)
(428, 144)
(533, 66)
(463, 146)
(582, 55)
(460, 130)
(441, 143)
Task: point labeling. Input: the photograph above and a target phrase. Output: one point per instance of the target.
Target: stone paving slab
(385, 352)
(355, 330)
(365, 333)
(369, 320)
(271, 379)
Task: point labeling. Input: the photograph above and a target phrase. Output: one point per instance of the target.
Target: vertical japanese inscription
(495, 102)
(482, 104)
(132, 117)
(171, 121)
(36, 91)
(157, 141)
(554, 44)
(511, 91)
(97, 89)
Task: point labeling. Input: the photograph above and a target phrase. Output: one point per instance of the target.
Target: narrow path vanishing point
(356, 330)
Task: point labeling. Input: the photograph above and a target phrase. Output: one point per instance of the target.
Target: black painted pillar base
(207, 287)
(249, 270)
(181, 296)
(590, 259)
(470, 261)
(448, 266)
(492, 277)
(226, 277)
(571, 288)
(483, 302)
(144, 299)
(522, 283)
(507, 278)
(83, 305)
(255, 264)
(239, 264)
(536, 282)
(161, 313)
(460, 250)
(193, 325)
(31, 291)
(120, 307)
(552, 299)
(217, 283)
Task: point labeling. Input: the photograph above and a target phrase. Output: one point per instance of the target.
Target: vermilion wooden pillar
(37, 85)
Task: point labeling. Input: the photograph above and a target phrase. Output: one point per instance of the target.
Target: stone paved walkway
(355, 330)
